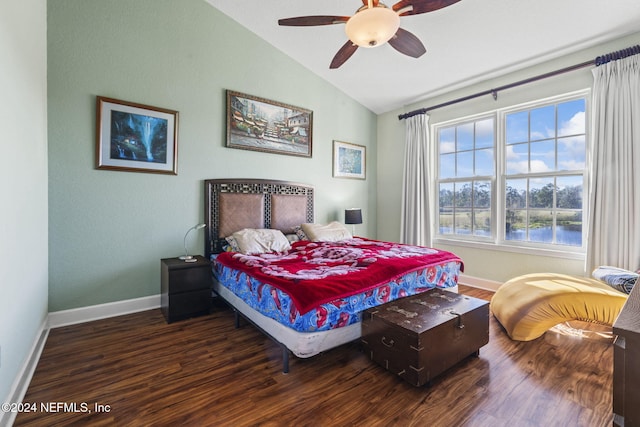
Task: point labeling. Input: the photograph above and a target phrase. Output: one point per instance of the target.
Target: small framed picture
(349, 160)
(136, 138)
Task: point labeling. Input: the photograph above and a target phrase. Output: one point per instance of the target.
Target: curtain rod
(600, 60)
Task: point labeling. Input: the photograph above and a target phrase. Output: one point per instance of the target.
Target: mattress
(274, 303)
(301, 344)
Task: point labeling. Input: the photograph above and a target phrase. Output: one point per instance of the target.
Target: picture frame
(134, 137)
(349, 160)
(260, 124)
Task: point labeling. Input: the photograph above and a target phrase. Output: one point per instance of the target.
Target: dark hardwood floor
(203, 371)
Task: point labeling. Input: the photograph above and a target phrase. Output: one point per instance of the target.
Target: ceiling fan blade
(343, 54)
(308, 21)
(416, 7)
(405, 42)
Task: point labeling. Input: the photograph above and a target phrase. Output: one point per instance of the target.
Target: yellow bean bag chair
(527, 306)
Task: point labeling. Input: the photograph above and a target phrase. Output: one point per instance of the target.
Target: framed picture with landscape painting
(135, 137)
(260, 124)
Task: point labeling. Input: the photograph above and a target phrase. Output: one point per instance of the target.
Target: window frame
(498, 241)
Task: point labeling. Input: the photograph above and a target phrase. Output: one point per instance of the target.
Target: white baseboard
(102, 311)
(23, 379)
(476, 282)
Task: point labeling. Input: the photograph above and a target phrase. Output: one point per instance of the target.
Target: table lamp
(353, 216)
(186, 257)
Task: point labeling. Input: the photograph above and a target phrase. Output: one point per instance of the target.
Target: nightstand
(186, 288)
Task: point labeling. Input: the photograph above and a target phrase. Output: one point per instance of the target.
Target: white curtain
(418, 178)
(614, 202)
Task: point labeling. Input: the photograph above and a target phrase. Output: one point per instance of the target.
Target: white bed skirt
(301, 344)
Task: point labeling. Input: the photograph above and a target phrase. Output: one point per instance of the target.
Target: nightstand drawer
(190, 304)
(189, 279)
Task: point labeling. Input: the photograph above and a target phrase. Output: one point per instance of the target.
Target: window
(466, 177)
(544, 173)
(534, 194)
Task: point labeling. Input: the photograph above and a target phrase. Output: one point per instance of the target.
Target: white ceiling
(466, 42)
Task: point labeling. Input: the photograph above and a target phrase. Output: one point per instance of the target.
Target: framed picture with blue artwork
(136, 138)
(349, 160)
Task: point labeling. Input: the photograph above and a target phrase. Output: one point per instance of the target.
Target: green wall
(109, 229)
(23, 187)
(484, 263)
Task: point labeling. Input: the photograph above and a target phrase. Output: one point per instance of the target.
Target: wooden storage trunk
(421, 336)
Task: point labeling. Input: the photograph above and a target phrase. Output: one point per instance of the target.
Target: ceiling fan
(374, 24)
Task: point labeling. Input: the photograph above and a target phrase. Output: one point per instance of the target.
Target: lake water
(566, 235)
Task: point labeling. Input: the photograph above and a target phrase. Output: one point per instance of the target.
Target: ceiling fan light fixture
(372, 27)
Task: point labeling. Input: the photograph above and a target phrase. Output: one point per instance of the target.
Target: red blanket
(314, 273)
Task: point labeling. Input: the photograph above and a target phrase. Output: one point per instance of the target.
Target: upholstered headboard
(233, 204)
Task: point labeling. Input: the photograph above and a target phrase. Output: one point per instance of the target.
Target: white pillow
(256, 241)
(332, 232)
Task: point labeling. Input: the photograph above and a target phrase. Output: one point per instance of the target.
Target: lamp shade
(353, 216)
(373, 26)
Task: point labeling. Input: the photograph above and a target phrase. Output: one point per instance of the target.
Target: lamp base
(187, 257)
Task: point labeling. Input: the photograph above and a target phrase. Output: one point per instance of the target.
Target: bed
(252, 281)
